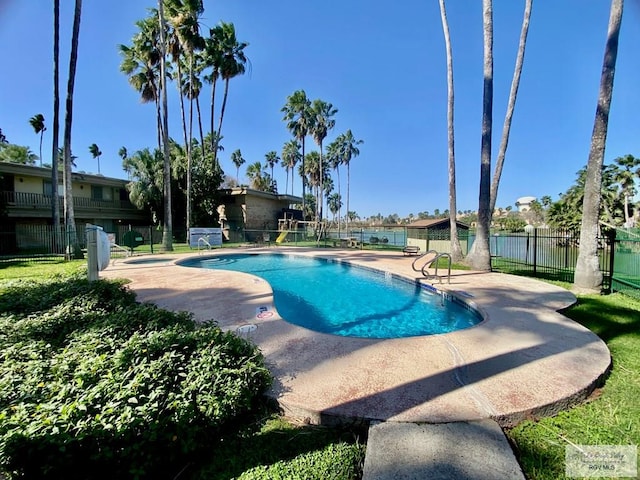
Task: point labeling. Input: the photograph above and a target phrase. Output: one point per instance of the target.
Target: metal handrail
(437, 256)
(435, 274)
(205, 241)
(413, 264)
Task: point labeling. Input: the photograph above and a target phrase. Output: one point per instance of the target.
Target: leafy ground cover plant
(95, 385)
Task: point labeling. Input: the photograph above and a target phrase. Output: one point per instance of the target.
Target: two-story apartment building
(26, 193)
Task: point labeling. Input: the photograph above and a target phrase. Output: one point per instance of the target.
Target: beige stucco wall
(440, 246)
(81, 190)
(28, 185)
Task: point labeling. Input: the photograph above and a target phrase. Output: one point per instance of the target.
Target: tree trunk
(55, 200)
(167, 232)
(515, 83)
(70, 221)
(224, 105)
(200, 127)
(187, 143)
(480, 257)
(587, 273)
(456, 250)
(304, 182)
(214, 140)
(348, 184)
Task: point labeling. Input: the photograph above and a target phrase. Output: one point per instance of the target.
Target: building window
(48, 190)
(96, 192)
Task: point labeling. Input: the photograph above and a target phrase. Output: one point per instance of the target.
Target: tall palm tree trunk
(214, 140)
(304, 182)
(456, 250)
(348, 183)
(515, 83)
(480, 257)
(200, 126)
(320, 203)
(587, 273)
(55, 201)
(70, 221)
(224, 105)
(187, 144)
(167, 231)
(339, 208)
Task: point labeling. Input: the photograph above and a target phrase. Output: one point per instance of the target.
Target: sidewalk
(461, 451)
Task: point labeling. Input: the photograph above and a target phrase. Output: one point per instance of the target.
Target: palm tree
(335, 203)
(290, 157)
(348, 151)
(37, 122)
(587, 273)
(323, 113)
(167, 231)
(334, 160)
(272, 160)
(141, 63)
(511, 105)
(310, 171)
(212, 58)
(122, 153)
(17, 154)
(232, 64)
(55, 208)
(70, 221)
(184, 40)
(238, 161)
(193, 88)
(95, 152)
(256, 176)
(479, 257)
(626, 178)
(456, 250)
(145, 170)
(297, 114)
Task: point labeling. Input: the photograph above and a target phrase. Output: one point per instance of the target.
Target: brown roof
(431, 222)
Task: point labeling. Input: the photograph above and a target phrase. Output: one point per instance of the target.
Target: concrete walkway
(458, 451)
(524, 360)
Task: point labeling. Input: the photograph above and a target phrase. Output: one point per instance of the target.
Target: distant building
(248, 212)
(435, 234)
(25, 204)
(524, 203)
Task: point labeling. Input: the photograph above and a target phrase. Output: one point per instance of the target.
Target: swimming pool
(342, 299)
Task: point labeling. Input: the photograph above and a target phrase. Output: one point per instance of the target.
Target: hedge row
(95, 385)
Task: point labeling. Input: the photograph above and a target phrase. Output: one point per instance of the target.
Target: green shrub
(94, 385)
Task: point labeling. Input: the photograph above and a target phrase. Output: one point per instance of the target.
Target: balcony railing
(36, 200)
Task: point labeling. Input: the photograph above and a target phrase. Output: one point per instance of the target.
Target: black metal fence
(626, 263)
(546, 253)
(29, 243)
(543, 253)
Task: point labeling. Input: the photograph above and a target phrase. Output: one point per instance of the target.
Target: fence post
(535, 251)
(151, 238)
(611, 240)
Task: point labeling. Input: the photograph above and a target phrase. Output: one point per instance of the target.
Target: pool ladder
(432, 261)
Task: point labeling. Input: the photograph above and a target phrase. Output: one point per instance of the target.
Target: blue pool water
(343, 299)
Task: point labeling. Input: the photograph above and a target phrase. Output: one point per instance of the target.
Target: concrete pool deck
(524, 360)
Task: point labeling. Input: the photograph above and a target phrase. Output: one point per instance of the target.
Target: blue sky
(381, 64)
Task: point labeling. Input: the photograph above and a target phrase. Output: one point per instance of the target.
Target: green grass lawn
(612, 417)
